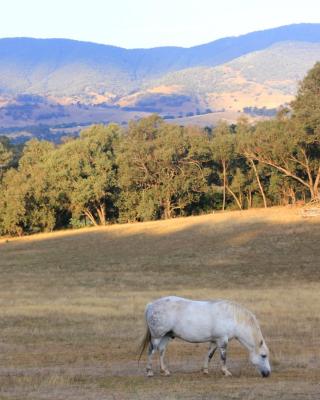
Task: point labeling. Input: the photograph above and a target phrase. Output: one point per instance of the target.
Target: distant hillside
(253, 71)
(66, 67)
(265, 78)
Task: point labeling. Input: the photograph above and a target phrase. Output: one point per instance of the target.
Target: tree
(160, 170)
(13, 219)
(5, 158)
(291, 142)
(244, 134)
(306, 118)
(282, 145)
(223, 151)
(83, 173)
(25, 201)
(306, 106)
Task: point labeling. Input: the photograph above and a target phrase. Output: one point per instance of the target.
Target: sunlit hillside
(266, 78)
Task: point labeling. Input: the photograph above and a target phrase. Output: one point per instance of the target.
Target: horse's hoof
(226, 372)
(165, 372)
(205, 371)
(149, 374)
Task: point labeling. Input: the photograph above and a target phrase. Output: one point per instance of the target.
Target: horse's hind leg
(209, 355)
(149, 363)
(222, 345)
(162, 349)
(153, 346)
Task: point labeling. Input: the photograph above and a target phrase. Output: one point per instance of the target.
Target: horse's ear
(261, 343)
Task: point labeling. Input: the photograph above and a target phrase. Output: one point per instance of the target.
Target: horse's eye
(263, 355)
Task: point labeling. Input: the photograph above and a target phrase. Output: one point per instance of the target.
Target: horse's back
(170, 302)
(194, 321)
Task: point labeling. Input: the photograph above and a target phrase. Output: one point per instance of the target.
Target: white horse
(216, 322)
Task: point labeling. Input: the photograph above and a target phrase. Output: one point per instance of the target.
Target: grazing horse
(215, 322)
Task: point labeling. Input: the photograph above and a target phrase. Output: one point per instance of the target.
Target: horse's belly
(194, 331)
(194, 338)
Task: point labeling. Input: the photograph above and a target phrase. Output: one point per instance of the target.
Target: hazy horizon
(148, 23)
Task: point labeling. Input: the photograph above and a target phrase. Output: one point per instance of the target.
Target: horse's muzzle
(265, 373)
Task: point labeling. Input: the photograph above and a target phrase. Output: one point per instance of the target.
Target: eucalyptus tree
(26, 205)
(5, 158)
(83, 174)
(244, 136)
(160, 170)
(290, 143)
(306, 119)
(281, 145)
(223, 147)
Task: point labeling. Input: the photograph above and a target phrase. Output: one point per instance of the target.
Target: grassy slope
(72, 306)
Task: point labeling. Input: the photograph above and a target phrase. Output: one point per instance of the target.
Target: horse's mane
(244, 316)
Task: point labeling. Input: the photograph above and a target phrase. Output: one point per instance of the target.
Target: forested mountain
(43, 66)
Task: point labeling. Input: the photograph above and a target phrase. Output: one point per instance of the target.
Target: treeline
(153, 170)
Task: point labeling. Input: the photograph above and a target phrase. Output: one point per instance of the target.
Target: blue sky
(149, 23)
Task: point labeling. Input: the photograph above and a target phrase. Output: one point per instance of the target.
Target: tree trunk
(249, 198)
(102, 214)
(90, 216)
(259, 183)
(235, 197)
(311, 186)
(224, 185)
(292, 194)
(316, 185)
(167, 208)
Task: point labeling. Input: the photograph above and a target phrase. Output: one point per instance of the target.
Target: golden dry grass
(71, 306)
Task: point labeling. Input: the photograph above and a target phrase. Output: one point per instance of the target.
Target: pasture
(72, 305)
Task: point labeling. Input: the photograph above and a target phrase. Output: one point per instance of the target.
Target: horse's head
(259, 357)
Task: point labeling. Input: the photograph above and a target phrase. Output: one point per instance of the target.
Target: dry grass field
(72, 303)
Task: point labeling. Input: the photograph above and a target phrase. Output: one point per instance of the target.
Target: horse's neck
(247, 336)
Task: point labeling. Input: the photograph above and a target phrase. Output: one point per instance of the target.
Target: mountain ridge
(253, 71)
(136, 65)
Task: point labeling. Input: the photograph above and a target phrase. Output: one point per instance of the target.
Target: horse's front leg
(162, 349)
(209, 355)
(222, 345)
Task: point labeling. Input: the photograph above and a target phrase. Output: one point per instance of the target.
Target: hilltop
(42, 66)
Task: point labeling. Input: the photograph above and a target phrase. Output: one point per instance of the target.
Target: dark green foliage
(26, 205)
(5, 156)
(306, 106)
(83, 173)
(161, 170)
